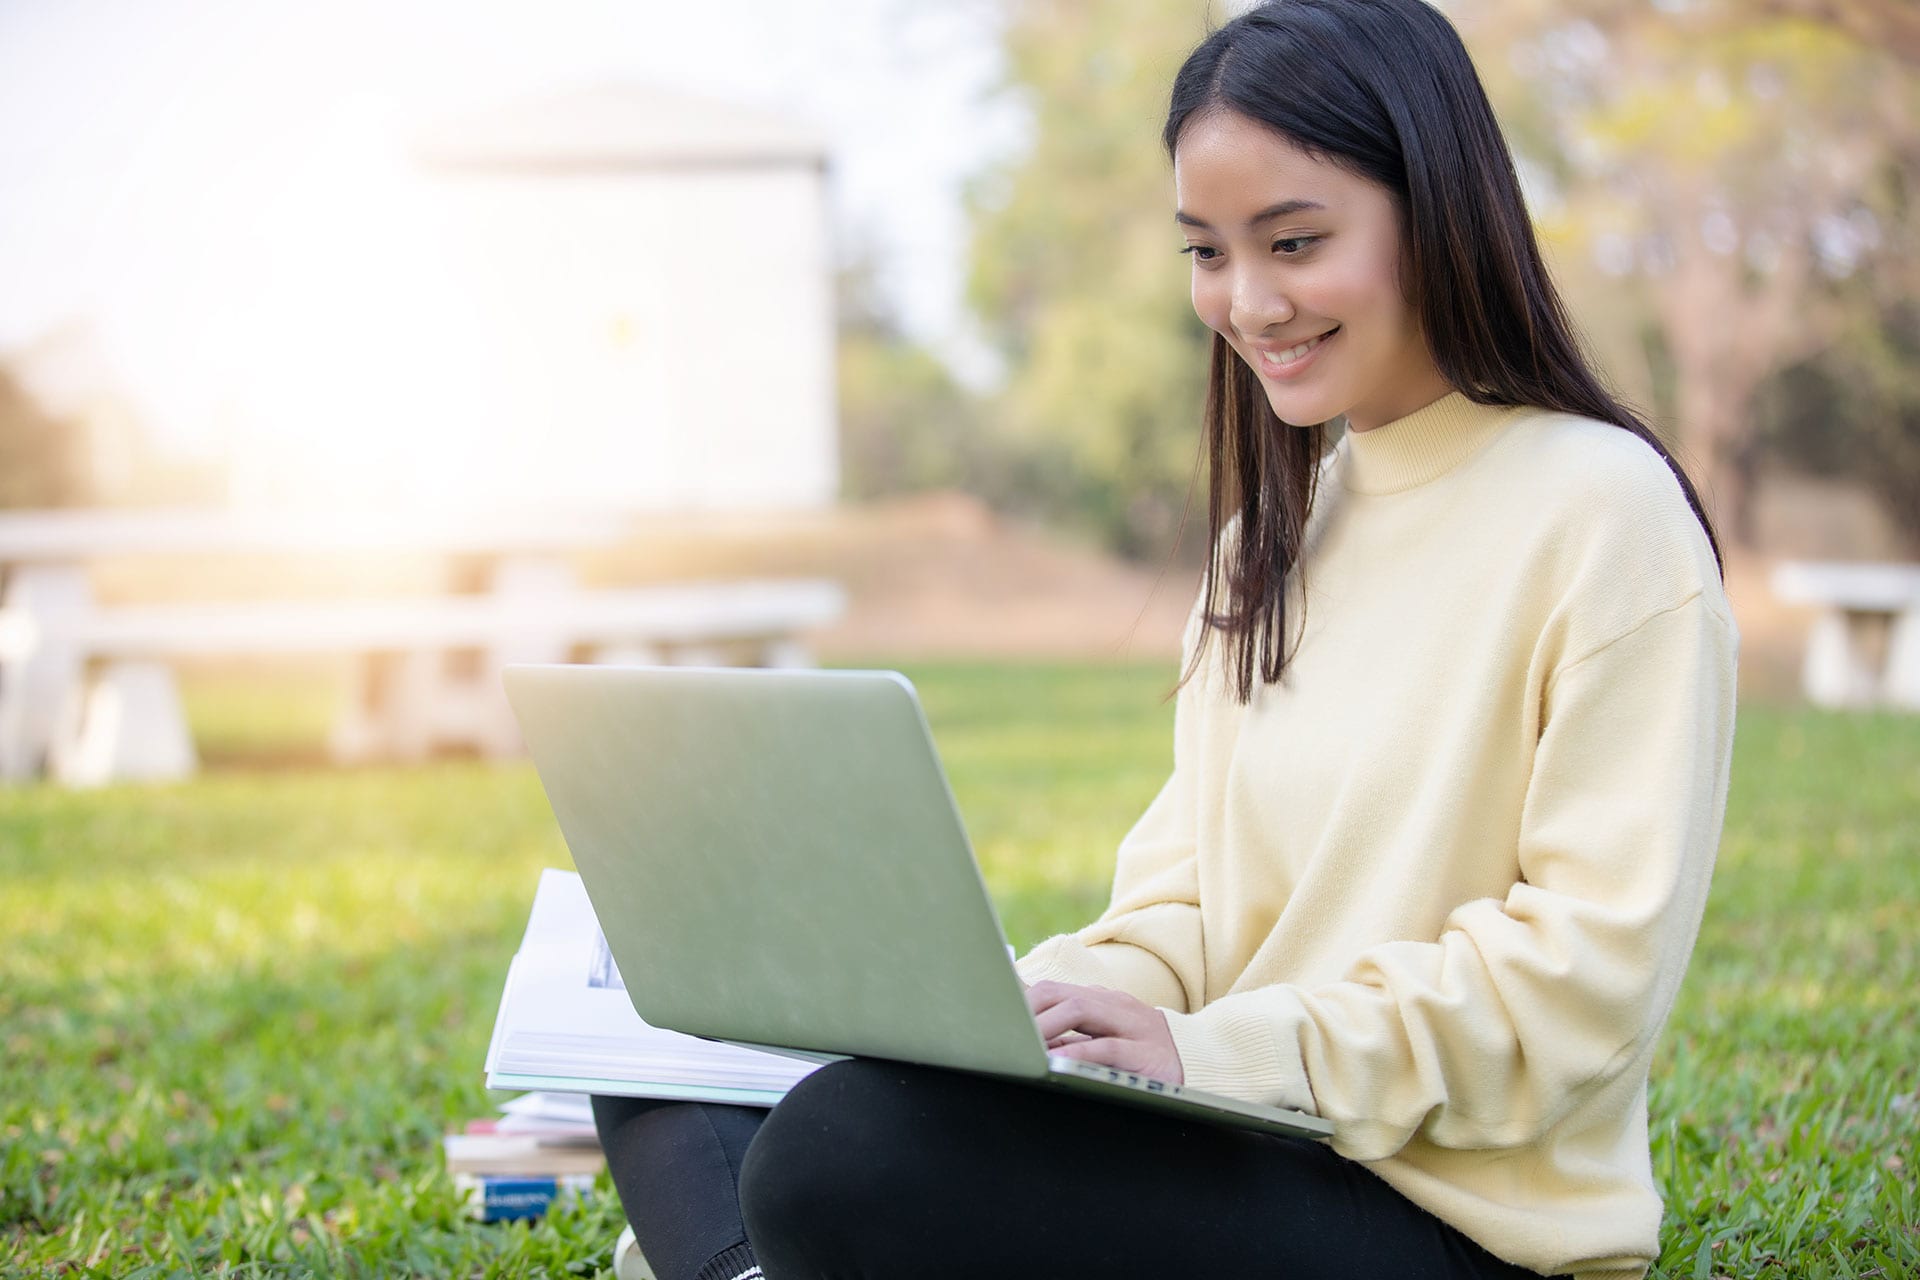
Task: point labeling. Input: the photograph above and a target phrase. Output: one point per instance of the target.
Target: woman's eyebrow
(1267, 214)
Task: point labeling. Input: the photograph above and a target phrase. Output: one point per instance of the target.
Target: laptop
(777, 861)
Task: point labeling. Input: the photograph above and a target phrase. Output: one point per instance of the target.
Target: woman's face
(1296, 263)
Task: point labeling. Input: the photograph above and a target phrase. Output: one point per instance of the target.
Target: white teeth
(1294, 353)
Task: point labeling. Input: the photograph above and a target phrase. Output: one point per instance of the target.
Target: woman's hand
(1112, 1028)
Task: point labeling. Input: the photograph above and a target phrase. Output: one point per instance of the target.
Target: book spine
(507, 1197)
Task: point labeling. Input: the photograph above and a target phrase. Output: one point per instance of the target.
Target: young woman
(1450, 762)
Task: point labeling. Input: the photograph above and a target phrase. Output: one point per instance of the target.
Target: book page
(565, 1021)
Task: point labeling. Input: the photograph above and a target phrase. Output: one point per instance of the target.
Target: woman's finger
(1124, 1055)
(1044, 995)
(1093, 1013)
(1073, 1014)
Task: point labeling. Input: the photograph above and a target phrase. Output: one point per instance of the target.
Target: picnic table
(1864, 650)
(88, 691)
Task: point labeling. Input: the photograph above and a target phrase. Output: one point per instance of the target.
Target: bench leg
(699, 655)
(129, 727)
(786, 652)
(629, 655)
(1836, 673)
(40, 674)
(387, 715)
(478, 711)
(1903, 661)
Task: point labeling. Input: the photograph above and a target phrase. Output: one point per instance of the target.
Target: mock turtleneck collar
(1423, 446)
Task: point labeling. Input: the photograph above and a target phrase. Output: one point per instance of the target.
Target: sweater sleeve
(1523, 1006)
(1148, 940)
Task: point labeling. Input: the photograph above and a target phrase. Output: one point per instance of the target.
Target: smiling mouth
(1277, 360)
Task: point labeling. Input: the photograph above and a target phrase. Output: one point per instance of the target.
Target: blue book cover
(506, 1197)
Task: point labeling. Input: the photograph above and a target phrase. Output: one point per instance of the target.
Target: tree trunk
(1715, 445)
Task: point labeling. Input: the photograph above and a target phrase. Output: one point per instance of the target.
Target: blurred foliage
(1075, 276)
(1726, 188)
(1892, 24)
(905, 423)
(1854, 411)
(1729, 192)
(42, 457)
(1721, 182)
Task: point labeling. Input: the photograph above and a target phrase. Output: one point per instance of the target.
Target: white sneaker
(628, 1262)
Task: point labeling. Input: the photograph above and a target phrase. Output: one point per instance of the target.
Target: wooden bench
(1864, 650)
(87, 692)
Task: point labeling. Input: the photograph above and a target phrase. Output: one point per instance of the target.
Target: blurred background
(413, 303)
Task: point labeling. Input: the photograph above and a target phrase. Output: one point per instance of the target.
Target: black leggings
(876, 1170)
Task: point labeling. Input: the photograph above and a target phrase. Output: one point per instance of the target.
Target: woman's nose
(1257, 306)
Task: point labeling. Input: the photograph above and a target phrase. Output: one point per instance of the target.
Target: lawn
(236, 1014)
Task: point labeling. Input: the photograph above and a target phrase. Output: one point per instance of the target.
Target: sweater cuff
(1118, 965)
(1244, 1047)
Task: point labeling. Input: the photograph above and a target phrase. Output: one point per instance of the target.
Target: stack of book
(542, 1149)
(566, 1029)
(566, 1024)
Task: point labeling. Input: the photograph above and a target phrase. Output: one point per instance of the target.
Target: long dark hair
(1385, 88)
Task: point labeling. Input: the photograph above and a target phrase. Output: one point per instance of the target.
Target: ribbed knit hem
(1424, 445)
(737, 1263)
(1243, 1052)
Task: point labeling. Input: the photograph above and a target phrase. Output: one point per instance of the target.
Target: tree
(1719, 166)
(1075, 275)
(1870, 381)
(905, 423)
(1711, 173)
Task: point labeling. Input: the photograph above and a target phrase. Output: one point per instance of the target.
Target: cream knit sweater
(1440, 885)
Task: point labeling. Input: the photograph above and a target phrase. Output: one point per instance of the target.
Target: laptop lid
(775, 858)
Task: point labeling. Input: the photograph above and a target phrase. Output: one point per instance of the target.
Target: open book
(565, 1024)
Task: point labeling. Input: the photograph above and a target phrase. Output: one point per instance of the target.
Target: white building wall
(653, 335)
(662, 340)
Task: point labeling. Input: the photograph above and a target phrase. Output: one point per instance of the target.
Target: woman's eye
(1202, 252)
(1288, 246)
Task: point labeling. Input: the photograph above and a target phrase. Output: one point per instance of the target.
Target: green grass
(1786, 1099)
(235, 1015)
